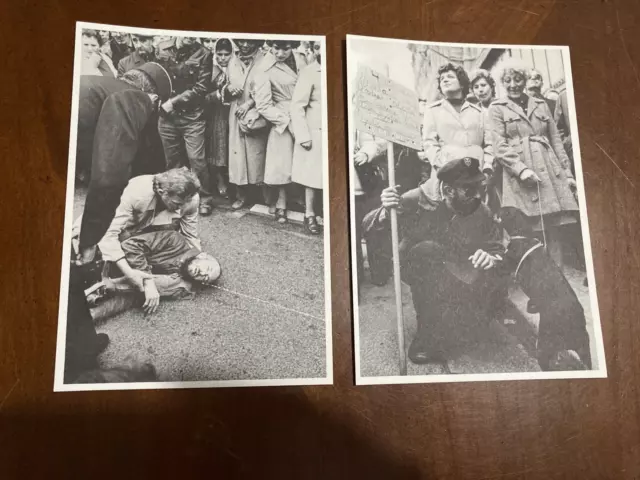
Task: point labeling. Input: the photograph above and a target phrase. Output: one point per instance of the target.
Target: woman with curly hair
(273, 93)
(453, 128)
(537, 176)
(94, 62)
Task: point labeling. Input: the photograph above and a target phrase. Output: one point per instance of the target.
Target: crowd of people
(165, 124)
(488, 165)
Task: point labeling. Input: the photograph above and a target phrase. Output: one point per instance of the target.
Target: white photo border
(600, 361)
(59, 385)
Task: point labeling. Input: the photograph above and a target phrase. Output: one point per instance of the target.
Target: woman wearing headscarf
(247, 145)
(274, 89)
(217, 133)
(537, 176)
(306, 125)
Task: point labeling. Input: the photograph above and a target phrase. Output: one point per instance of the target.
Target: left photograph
(196, 234)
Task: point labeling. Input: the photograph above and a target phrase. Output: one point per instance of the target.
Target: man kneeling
(153, 238)
(448, 257)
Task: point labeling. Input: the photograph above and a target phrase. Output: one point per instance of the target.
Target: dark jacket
(118, 138)
(461, 235)
(132, 61)
(119, 51)
(162, 252)
(190, 68)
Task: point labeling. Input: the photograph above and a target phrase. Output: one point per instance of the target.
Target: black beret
(461, 171)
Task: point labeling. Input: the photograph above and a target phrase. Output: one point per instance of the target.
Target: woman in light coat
(273, 92)
(306, 124)
(537, 176)
(453, 128)
(246, 151)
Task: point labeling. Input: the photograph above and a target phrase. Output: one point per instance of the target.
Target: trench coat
(532, 141)
(306, 125)
(246, 152)
(274, 89)
(448, 135)
(217, 131)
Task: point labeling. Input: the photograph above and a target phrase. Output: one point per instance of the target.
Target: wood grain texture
(511, 430)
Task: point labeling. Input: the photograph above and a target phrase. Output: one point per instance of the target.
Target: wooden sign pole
(395, 246)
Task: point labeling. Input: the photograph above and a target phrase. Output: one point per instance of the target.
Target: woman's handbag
(252, 122)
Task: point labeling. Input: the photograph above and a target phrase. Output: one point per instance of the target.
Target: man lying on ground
(153, 238)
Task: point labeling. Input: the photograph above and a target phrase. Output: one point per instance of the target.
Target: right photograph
(471, 258)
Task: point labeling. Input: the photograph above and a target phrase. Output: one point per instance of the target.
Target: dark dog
(132, 370)
(563, 342)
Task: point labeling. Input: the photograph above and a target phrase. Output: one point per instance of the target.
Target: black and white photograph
(196, 239)
(471, 257)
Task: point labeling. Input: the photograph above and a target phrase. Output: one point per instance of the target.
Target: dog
(563, 341)
(132, 370)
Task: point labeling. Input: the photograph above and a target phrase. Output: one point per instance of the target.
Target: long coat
(246, 152)
(448, 134)
(306, 125)
(274, 89)
(217, 133)
(118, 137)
(532, 141)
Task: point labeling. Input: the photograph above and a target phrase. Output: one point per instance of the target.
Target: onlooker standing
(537, 176)
(120, 46)
(247, 133)
(454, 128)
(182, 120)
(144, 53)
(534, 87)
(94, 62)
(306, 124)
(217, 150)
(273, 92)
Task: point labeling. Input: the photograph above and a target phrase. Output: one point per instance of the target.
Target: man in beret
(448, 257)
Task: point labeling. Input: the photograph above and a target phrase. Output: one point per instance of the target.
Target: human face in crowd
(121, 37)
(246, 47)
(450, 85)
(186, 41)
(223, 57)
(464, 199)
(282, 52)
(144, 46)
(208, 43)
(316, 52)
(514, 83)
(104, 34)
(482, 90)
(90, 46)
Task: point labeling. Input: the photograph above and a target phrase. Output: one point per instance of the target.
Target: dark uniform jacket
(134, 60)
(164, 251)
(118, 138)
(190, 68)
(461, 235)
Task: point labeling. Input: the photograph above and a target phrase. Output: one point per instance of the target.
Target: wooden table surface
(557, 429)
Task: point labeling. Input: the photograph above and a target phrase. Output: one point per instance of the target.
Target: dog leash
(526, 254)
(544, 235)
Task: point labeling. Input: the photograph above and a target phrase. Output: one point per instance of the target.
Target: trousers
(183, 140)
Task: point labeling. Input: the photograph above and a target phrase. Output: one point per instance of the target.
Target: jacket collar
(465, 106)
(272, 63)
(532, 105)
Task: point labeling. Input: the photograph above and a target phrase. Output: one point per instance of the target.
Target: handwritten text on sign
(386, 109)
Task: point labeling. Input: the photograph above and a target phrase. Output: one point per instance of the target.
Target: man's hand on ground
(483, 260)
(151, 297)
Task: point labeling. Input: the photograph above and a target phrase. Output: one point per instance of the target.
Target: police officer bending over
(448, 257)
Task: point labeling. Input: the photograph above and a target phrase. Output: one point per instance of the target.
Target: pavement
(508, 347)
(263, 320)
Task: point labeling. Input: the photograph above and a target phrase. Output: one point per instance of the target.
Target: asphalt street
(264, 319)
(509, 345)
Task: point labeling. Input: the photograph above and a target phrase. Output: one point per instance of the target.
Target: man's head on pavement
(176, 187)
(462, 185)
(203, 268)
